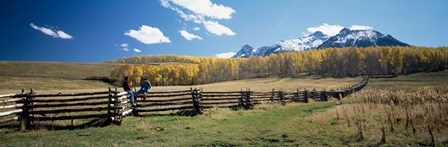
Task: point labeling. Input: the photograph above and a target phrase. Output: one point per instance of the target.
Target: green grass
(264, 126)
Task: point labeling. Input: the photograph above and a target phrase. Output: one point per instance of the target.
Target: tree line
(330, 62)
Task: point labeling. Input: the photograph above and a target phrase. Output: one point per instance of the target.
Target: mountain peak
(317, 34)
(247, 46)
(345, 31)
(246, 51)
(360, 38)
(317, 40)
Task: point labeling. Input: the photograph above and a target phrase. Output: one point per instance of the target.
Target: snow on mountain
(307, 42)
(246, 51)
(360, 38)
(310, 41)
(318, 40)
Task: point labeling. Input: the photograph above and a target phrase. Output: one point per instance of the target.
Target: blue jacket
(145, 86)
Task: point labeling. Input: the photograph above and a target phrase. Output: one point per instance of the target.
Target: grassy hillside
(51, 75)
(312, 124)
(55, 69)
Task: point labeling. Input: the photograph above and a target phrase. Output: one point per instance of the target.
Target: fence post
(25, 116)
(31, 108)
(305, 96)
(117, 117)
(281, 94)
(109, 108)
(245, 101)
(196, 96)
(324, 95)
(296, 96)
(249, 100)
(273, 94)
(241, 100)
(314, 94)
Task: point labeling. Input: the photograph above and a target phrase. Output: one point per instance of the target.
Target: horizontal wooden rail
(166, 100)
(11, 106)
(164, 104)
(219, 92)
(164, 109)
(57, 111)
(68, 94)
(217, 103)
(221, 95)
(69, 117)
(227, 106)
(69, 100)
(11, 100)
(68, 104)
(180, 91)
(169, 95)
(9, 95)
(10, 112)
(219, 99)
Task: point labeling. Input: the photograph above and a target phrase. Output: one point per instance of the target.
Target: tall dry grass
(416, 116)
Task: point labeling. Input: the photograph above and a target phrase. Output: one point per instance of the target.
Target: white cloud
(202, 12)
(148, 35)
(206, 8)
(137, 50)
(196, 18)
(218, 29)
(360, 27)
(226, 55)
(51, 32)
(165, 3)
(125, 49)
(189, 36)
(196, 29)
(327, 29)
(64, 35)
(124, 45)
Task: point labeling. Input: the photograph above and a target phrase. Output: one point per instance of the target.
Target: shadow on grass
(98, 122)
(178, 113)
(190, 113)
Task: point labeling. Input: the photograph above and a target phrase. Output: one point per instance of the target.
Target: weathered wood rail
(29, 108)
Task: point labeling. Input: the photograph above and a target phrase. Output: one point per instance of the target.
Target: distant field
(51, 75)
(267, 84)
(55, 69)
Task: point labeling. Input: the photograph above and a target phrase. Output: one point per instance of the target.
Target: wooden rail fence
(27, 108)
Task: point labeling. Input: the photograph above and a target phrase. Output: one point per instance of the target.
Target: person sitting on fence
(128, 89)
(144, 89)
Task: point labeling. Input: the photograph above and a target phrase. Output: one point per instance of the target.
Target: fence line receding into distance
(27, 108)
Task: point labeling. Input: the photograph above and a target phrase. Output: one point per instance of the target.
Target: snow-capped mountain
(318, 40)
(310, 41)
(360, 38)
(246, 51)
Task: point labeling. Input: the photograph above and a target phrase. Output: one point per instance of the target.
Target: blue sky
(99, 30)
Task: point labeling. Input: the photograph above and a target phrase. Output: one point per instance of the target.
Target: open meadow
(51, 76)
(223, 73)
(362, 118)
